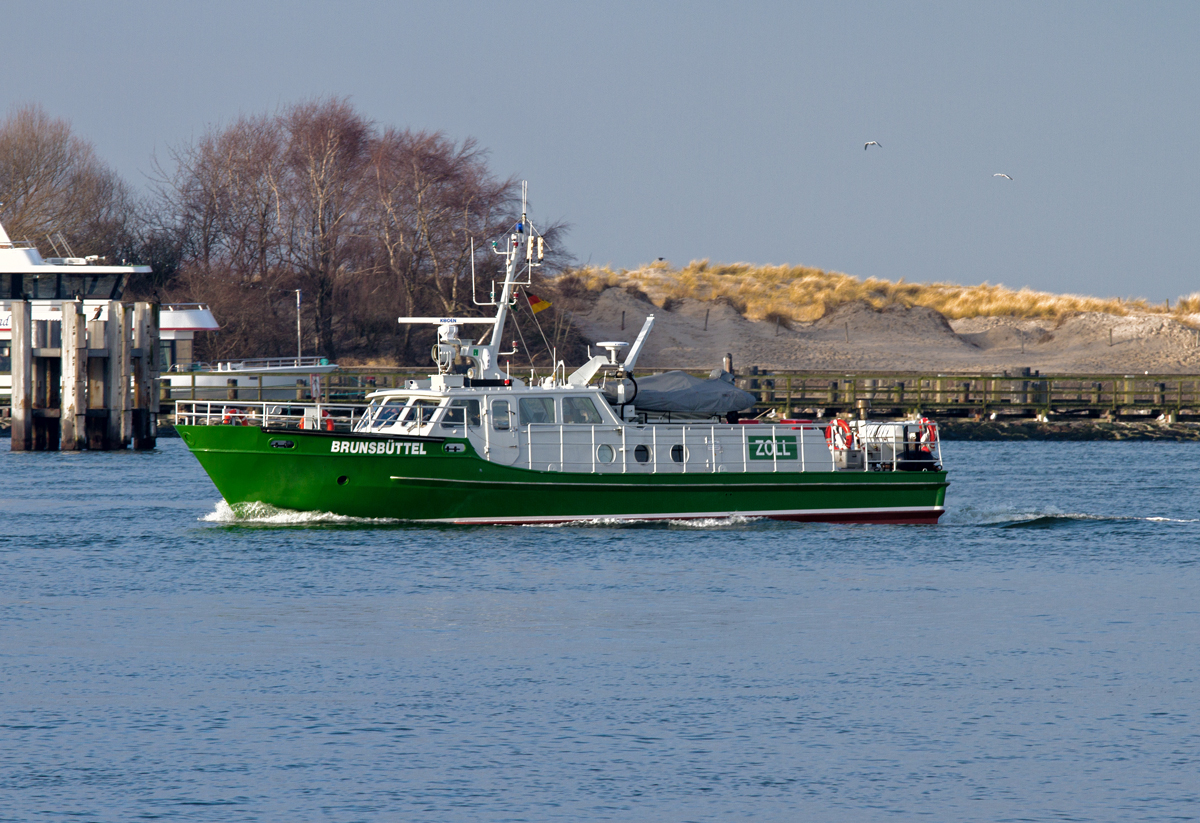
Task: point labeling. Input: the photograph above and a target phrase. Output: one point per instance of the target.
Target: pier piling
(22, 377)
(73, 423)
(84, 384)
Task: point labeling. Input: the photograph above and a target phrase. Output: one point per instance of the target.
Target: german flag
(536, 303)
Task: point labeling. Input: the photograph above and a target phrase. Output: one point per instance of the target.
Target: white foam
(266, 514)
(697, 523)
(1012, 515)
(1002, 516)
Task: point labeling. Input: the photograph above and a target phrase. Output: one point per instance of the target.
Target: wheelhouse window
(580, 410)
(420, 411)
(460, 412)
(500, 415)
(536, 410)
(388, 412)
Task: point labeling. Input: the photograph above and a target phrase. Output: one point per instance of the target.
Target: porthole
(678, 453)
(604, 454)
(641, 454)
(343, 480)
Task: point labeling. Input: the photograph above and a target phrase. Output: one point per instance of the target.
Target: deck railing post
(774, 450)
(624, 452)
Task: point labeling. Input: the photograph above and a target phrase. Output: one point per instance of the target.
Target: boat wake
(1017, 518)
(264, 514)
(736, 521)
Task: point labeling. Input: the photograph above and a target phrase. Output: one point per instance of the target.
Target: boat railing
(684, 449)
(251, 364)
(305, 416)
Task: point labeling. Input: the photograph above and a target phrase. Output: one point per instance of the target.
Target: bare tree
(52, 181)
(432, 198)
(220, 207)
(321, 189)
(370, 223)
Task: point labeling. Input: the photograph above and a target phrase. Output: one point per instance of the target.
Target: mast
(523, 244)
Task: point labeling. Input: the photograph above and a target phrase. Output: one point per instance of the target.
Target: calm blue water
(1036, 657)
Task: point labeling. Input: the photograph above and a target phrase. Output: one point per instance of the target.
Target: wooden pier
(1018, 393)
(80, 383)
(1010, 394)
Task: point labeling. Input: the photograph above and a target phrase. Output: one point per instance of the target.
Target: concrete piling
(80, 384)
(145, 375)
(22, 376)
(73, 423)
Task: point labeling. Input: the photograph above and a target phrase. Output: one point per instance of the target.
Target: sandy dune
(858, 337)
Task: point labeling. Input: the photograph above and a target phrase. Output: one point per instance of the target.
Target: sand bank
(856, 336)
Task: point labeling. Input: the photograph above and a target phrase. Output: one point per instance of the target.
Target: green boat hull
(430, 479)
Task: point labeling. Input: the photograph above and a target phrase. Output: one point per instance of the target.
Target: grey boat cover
(679, 392)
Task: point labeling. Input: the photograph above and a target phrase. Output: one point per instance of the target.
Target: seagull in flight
(1002, 174)
(870, 143)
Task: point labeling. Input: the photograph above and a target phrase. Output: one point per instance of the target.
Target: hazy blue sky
(732, 131)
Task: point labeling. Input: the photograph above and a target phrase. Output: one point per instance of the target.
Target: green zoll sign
(771, 447)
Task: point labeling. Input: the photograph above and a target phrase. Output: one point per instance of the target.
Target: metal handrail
(313, 416)
(550, 439)
(346, 417)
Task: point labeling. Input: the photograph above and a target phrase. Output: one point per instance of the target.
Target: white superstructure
(565, 423)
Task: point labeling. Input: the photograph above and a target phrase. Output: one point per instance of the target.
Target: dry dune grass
(798, 293)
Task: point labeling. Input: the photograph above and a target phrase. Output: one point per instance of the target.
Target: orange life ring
(233, 417)
(928, 434)
(840, 435)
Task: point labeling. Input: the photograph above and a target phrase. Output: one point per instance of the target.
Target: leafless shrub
(779, 319)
